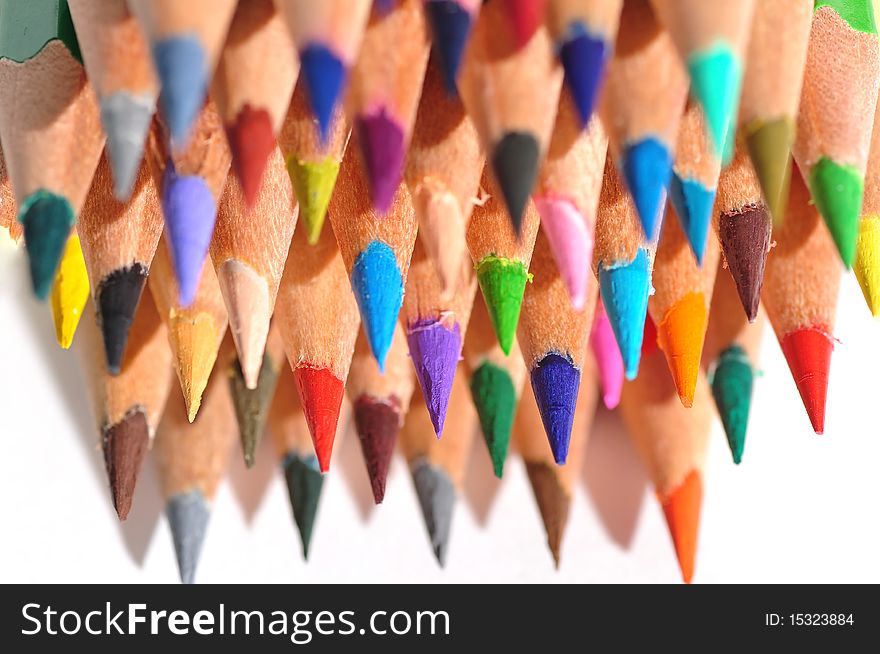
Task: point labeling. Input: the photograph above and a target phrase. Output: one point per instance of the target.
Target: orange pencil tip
(682, 511)
(808, 353)
(680, 335)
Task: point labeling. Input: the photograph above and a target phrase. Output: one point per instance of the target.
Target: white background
(800, 508)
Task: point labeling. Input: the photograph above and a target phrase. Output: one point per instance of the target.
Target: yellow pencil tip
(194, 342)
(867, 261)
(70, 291)
(680, 335)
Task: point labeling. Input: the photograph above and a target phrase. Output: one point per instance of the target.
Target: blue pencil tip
(583, 58)
(325, 77)
(625, 287)
(647, 167)
(182, 69)
(378, 288)
(555, 383)
(451, 25)
(693, 206)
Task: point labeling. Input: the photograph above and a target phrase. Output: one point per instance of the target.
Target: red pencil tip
(808, 352)
(682, 510)
(320, 393)
(525, 16)
(251, 140)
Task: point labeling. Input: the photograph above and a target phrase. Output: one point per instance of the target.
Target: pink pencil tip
(571, 243)
(608, 359)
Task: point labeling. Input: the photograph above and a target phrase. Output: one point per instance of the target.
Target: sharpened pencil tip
(682, 511)
(555, 384)
(117, 299)
(745, 242)
(647, 169)
(47, 219)
(325, 77)
(837, 191)
(715, 75)
(571, 243)
(808, 353)
(188, 515)
(680, 336)
(181, 65)
(515, 164)
(70, 292)
(608, 359)
(246, 295)
(377, 423)
(252, 405)
(193, 340)
(442, 229)
(320, 394)
(494, 397)
(693, 205)
(378, 288)
(584, 57)
(867, 263)
(732, 383)
(553, 504)
(304, 484)
(451, 25)
(251, 141)
(313, 183)
(437, 500)
(125, 445)
(503, 282)
(769, 144)
(126, 119)
(435, 349)
(382, 146)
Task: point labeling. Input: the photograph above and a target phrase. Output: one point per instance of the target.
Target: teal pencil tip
(47, 219)
(716, 75)
(732, 384)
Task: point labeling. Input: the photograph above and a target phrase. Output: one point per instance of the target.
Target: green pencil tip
(494, 396)
(715, 77)
(837, 192)
(769, 144)
(252, 404)
(304, 483)
(47, 220)
(503, 282)
(732, 384)
(313, 184)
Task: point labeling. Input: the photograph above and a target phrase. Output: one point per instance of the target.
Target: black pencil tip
(515, 163)
(304, 483)
(117, 298)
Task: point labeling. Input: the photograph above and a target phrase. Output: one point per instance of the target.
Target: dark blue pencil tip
(693, 206)
(583, 58)
(451, 25)
(182, 69)
(325, 77)
(647, 167)
(555, 383)
(378, 289)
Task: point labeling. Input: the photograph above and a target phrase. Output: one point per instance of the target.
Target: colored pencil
(252, 88)
(609, 363)
(623, 264)
(495, 380)
(511, 94)
(435, 328)
(8, 210)
(730, 355)
(289, 429)
(838, 100)
(553, 337)
(671, 441)
(252, 404)
(567, 196)
(800, 295)
(312, 163)
(50, 128)
(744, 228)
(867, 260)
(437, 466)
(553, 485)
(771, 93)
(117, 59)
(118, 242)
(185, 39)
(70, 291)
(501, 258)
(191, 460)
(249, 248)
(384, 94)
(318, 320)
(712, 38)
(376, 250)
(443, 170)
(451, 22)
(195, 331)
(643, 102)
(583, 36)
(190, 183)
(328, 35)
(127, 406)
(525, 18)
(380, 402)
(694, 179)
(679, 306)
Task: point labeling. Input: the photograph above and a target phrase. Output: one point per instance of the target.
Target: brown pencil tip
(251, 140)
(745, 241)
(682, 510)
(553, 504)
(125, 444)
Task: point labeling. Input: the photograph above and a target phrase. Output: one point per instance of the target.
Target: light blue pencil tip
(625, 288)
(378, 288)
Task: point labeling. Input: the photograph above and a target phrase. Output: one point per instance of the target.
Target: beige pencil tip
(442, 228)
(246, 295)
(194, 342)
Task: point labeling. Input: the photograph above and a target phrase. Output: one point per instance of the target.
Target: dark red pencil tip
(808, 353)
(377, 422)
(525, 18)
(251, 139)
(320, 394)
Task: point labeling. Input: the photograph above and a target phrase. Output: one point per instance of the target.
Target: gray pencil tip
(437, 499)
(126, 119)
(188, 515)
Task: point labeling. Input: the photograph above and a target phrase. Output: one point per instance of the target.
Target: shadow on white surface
(481, 486)
(250, 486)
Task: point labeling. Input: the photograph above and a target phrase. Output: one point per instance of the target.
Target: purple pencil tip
(381, 139)
(435, 349)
